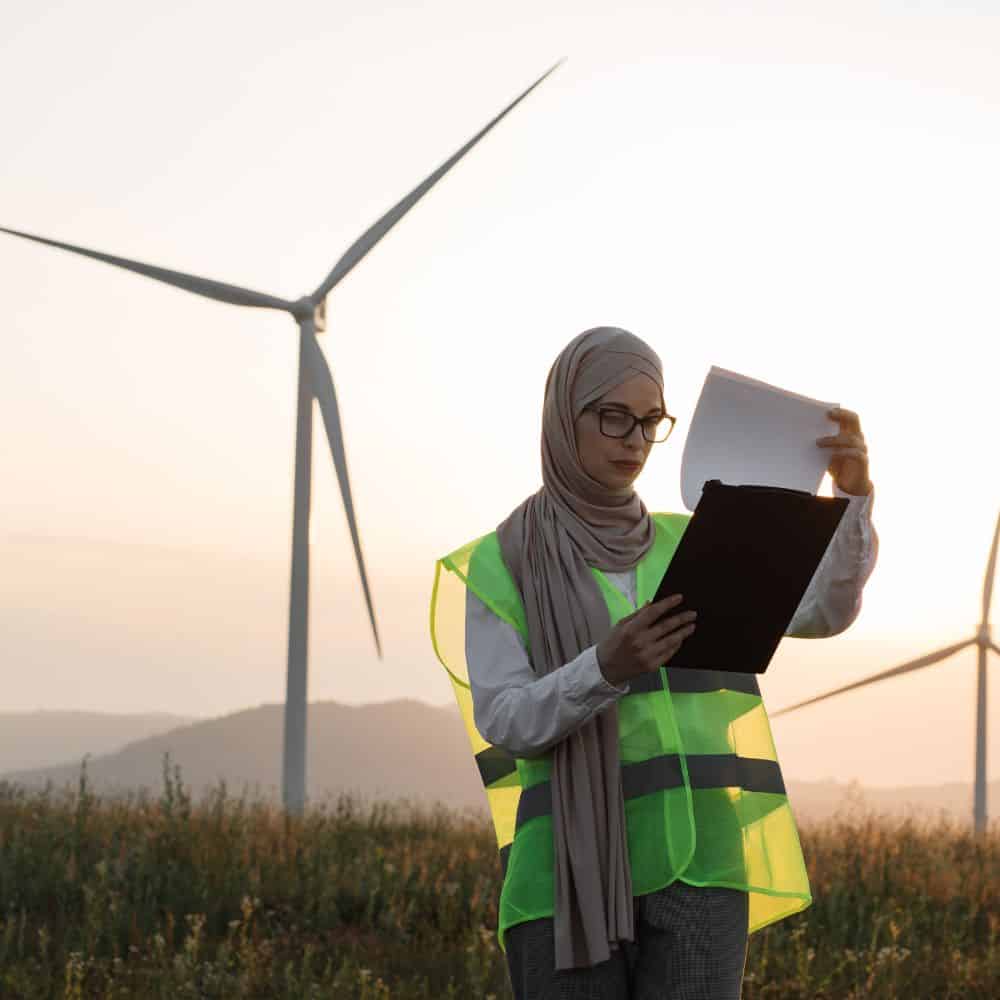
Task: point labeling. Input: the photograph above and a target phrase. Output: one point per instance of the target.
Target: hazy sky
(805, 194)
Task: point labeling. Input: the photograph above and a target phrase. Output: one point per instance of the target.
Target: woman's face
(599, 454)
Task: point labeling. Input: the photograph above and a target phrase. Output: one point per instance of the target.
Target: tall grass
(160, 898)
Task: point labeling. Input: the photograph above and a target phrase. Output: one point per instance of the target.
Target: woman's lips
(627, 465)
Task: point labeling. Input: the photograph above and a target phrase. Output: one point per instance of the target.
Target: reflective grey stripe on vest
(495, 763)
(710, 770)
(685, 680)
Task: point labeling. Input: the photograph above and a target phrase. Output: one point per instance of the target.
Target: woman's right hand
(644, 640)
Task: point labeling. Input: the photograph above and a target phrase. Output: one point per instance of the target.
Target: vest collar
(649, 572)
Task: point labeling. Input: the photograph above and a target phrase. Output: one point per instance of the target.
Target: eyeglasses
(621, 423)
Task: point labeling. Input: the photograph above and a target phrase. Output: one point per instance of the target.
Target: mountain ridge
(395, 749)
(46, 737)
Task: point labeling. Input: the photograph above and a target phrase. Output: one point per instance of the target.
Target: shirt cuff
(857, 535)
(862, 498)
(590, 686)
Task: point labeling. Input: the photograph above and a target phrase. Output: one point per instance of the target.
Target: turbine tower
(314, 382)
(984, 640)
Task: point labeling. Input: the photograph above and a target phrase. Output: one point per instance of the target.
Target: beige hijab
(548, 543)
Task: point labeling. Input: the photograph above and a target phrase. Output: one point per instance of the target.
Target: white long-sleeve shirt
(527, 715)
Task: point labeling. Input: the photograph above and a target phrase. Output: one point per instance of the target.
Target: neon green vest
(704, 797)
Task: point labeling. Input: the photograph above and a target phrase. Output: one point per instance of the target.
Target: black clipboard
(744, 563)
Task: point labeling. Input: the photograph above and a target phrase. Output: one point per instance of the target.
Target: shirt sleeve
(515, 710)
(832, 600)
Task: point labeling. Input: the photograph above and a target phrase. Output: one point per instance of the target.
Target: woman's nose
(634, 437)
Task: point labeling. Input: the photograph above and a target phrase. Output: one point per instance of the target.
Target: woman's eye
(616, 421)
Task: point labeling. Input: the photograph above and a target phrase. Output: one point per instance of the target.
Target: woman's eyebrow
(622, 406)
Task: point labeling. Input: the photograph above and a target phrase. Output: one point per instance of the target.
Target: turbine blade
(322, 386)
(364, 243)
(905, 668)
(995, 648)
(991, 567)
(189, 282)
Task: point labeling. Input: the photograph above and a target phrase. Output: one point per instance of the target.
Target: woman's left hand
(849, 461)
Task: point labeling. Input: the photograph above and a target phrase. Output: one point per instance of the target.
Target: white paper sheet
(745, 431)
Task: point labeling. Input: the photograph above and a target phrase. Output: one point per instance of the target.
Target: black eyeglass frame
(601, 410)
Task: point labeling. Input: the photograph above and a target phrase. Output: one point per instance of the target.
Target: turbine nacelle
(306, 308)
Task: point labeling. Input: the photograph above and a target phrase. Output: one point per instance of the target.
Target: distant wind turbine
(315, 381)
(984, 640)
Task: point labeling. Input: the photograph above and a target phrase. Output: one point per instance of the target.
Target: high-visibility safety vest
(704, 797)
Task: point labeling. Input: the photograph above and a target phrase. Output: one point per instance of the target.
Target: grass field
(164, 898)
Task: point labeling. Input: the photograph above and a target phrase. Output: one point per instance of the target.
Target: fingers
(666, 626)
(656, 609)
(847, 419)
(663, 638)
(652, 635)
(845, 440)
(652, 616)
(666, 648)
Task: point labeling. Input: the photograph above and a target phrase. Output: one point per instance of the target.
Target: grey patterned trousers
(691, 944)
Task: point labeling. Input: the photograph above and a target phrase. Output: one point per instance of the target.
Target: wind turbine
(314, 381)
(984, 640)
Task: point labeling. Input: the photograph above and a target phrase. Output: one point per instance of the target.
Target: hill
(390, 750)
(45, 738)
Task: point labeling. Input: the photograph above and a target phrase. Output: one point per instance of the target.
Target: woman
(642, 820)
